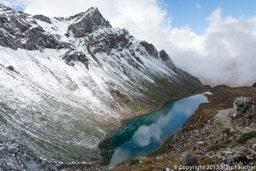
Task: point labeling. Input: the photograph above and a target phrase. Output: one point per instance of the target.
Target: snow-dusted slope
(66, 81)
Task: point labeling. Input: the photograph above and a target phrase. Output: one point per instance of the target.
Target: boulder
(253, 146)
(11, 68)
(241, 105)
(71, 56)
(189, 159)
(245, 109)
(201, 143)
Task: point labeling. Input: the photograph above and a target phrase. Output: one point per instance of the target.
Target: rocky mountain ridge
(65, 82)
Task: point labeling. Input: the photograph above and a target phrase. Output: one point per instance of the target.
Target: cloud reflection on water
(157, 127)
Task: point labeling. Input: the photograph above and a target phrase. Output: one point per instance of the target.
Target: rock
(163, 55)
(150, 48)
(245, 109)
(87, 22)
(12, 29)
(2, 147)
(201, 143)
(13, 148)
(241, 105)
(233, 113)
(249, 157)
(254, 85)
(11, 68)
(106, 42)
(7, 39)
(17, 32)
(227, 132)
(248, 121)
(253, 146)
(72, 56)
(245, 160)
(189, 159)
(167, 60)
(36, 39)
(226, 153)
(211, 153)
(43, 18)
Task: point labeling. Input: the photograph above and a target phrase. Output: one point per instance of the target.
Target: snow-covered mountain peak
(66, 81)
(86, 22)
(91, 11)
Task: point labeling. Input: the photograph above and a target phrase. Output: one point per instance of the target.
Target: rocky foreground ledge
(220, 135)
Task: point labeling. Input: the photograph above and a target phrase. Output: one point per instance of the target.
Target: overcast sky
(214, 40)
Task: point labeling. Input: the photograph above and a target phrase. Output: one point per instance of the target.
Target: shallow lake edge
(103, 145)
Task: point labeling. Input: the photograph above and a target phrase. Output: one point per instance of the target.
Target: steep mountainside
(65, 82)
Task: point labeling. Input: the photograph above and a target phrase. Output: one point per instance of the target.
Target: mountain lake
(144, 134)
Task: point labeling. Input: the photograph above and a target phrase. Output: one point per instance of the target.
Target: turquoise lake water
(144, 134)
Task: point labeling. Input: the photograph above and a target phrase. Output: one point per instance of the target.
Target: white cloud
(197, 5)
(228, 51)
(10, 3)
(225, 53)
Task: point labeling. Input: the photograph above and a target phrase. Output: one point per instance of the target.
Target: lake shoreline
(104, 143)
(206, 126)
(208, 99)
(99, 163)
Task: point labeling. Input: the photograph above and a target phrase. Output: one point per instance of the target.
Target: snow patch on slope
(49, 73)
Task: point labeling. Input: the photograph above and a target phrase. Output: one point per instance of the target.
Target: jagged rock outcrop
(87, 22)
(43, 18)
(22, 31)
(110, 40)
(72, 56)
(163, 55)
(36, 39)
(150, 48)
(166, 58)
(244, 108)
